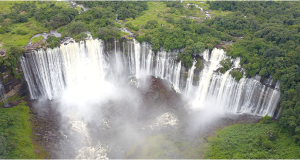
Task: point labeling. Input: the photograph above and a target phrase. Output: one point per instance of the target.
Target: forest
(266, 35)
(269, 45)
(269, 48)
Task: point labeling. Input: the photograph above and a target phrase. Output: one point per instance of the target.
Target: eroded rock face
(34, 46)
(12, 85)
(160, 93)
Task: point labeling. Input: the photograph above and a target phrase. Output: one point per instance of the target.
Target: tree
(76, 28)
(155, 44)
(21, 18)
(237, 75)
(263, 72)
(225, 63)
(6, 22)
(198, 48)
(272, 52)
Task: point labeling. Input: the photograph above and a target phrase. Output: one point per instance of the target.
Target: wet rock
(161, 92)
(155, 96)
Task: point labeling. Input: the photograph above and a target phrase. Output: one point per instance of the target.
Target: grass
(37, 39)
(155, 9)
(15, 132)
(215, 13)
(5, 6)
(159, 11)
(31, 27)
(160, 146)
(248, 141)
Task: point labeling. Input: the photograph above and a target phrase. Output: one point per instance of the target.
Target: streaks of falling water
(50, 72)
(189, 81)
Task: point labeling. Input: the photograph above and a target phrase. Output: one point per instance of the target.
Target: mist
(111, 100)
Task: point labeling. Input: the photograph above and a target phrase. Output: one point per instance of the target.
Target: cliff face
(12, 85)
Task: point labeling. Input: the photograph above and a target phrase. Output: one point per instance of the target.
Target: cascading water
(75, 65)
(189, 81)
(91, 83)
(246, 96)
(2, 95)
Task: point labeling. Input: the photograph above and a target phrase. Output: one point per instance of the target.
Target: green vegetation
(237, 75)
(270, 47)
(19, 34)
(15, 132)
(11, 60)
(171, 25)
(252, 141)
(100, 19)
(12, 99)
(19, 21)
(123, 9)
(266, 36)
(225, 63)
(37, 39)
(165, 146)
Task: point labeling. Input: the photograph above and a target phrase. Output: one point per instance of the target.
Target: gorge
(50, 72)
(101, 90)
(151, 79)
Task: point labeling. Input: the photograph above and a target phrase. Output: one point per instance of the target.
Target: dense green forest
(269, 47)
(100, 19)
(255, 141)
(269, 44)
(266, 36)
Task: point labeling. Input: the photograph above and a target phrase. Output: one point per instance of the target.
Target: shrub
(76, 28)
(151, 24)
(21, 32)
(21, 18)
(266, 119)
(2, 31)
(225, 63)
(237, 75)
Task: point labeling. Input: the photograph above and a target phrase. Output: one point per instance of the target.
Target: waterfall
(49, 72)
(86, 66)
(2, 95)
(207, 75)
(137, 58)
(189, 81)
(177, 77)
(223, 91)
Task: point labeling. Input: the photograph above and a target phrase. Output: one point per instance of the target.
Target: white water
(85, 67)
(80, 77)
(189, 81)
